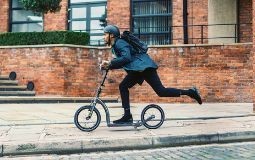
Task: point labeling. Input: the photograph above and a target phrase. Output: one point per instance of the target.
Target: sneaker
(124, 119)
(195, 95)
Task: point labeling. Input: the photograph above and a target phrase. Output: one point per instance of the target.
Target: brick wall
(197, 15)
(253, 20)
(118, 13)
(54, 70)
(245, 17)
(222, 73)
(58, 20)
(4, 18)
(177, 21)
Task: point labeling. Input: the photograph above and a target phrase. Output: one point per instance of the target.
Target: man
(139, 67)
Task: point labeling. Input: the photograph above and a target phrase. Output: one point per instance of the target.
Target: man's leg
(128, 82)
(152, 78)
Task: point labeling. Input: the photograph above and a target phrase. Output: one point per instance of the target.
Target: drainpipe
(238, 20)
(185, 22)
(10, 18)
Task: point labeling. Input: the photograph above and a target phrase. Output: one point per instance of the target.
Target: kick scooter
(87, 118)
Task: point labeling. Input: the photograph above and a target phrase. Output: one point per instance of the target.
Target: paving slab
(49, 128)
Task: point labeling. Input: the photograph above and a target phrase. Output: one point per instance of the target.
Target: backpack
(135, 42)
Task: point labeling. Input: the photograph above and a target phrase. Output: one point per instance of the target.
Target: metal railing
(197, 34)
(234, 33)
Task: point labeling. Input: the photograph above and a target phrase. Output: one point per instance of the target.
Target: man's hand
(104, 65)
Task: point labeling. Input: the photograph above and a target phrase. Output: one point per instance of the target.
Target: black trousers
(150, 75)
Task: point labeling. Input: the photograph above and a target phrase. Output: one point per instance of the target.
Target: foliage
(36, 38)
(42, 6)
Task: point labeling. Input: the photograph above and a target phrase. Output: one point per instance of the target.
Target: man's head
(111, 32)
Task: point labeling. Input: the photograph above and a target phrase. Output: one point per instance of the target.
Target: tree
(42, 6)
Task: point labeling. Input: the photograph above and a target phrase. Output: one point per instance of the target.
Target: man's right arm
(125, 56)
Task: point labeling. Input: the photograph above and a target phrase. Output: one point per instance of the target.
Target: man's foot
(124, 119)
(195, 95)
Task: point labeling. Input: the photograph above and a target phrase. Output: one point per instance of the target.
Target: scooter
(87, 118)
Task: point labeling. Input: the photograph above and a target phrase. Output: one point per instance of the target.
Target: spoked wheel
(152, 116)
(87, 120)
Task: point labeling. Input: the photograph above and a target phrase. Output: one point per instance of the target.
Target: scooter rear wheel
(87, 120)
(152, 116)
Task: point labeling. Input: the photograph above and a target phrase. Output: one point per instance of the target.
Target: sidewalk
(49, 128)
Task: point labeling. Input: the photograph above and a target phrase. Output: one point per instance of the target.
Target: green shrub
(35, 38)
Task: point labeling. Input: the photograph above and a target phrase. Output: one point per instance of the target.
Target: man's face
(106, 38)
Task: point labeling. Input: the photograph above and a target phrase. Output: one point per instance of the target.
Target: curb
(37, 99)
(95, 145)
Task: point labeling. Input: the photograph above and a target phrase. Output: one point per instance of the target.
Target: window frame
(88, 19)
(134, 17)
(11, 22)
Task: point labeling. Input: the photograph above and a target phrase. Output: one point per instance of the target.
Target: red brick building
(157, 22)
(222, 72)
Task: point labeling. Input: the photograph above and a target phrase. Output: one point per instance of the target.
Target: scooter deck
(136, 124)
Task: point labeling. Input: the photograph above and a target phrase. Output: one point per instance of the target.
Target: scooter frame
(96, 100)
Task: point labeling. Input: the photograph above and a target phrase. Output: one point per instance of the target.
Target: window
(152, 20)
(22, 20)
(85, 16)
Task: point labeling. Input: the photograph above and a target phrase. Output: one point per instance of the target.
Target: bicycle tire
(97, 118)
(146, 123)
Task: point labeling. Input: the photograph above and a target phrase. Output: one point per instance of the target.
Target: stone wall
(223, 73)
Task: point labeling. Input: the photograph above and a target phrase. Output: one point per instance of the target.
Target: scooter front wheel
(87, 120)
(152, 116)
